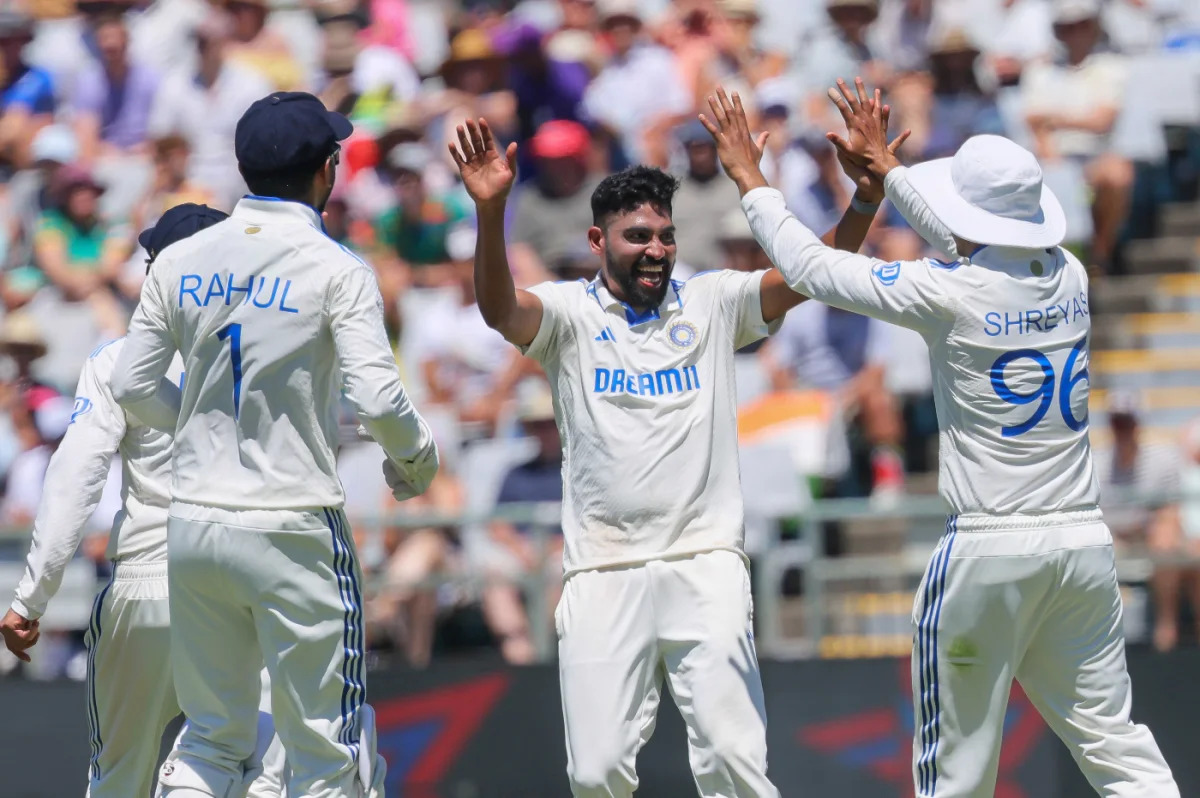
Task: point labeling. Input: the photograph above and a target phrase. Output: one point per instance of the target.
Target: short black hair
(293, 183)
(629, 188)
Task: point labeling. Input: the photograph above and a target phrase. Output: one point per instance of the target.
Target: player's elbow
(128, 390)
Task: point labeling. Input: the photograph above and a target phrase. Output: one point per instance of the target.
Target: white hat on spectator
(409, 156)
(1124, 403)
(1067, 12)
(991, 192)
(55, 143)
(734, 227)
(871, 4)
(460, 242)
(534, 401)
(52, 417)
(619, 9)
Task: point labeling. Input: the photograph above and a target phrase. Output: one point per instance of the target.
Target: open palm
(487, 175)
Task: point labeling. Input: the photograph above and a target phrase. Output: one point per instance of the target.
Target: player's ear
(596, 239)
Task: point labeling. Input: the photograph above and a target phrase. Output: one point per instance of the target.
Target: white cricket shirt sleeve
(372, 380)
(917, 213)
(74, 483)
(742, 302)
(144, 360)
(555, 326)
(907, 293)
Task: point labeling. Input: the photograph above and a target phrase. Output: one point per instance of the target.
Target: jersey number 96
(1043, 395)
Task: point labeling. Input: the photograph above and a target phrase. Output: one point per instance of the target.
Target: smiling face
(638, 249)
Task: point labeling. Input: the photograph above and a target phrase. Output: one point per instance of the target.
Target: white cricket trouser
(130, 695)
(620, 631)
(255, 587)
(1033, 598)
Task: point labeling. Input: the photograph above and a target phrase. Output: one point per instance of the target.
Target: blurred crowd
(113, 111)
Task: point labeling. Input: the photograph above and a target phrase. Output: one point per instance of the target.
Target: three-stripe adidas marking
(353, 687)
(94, 629)
(927, 662)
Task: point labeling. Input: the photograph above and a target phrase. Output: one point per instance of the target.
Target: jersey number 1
(234, 333)
(1045, 392)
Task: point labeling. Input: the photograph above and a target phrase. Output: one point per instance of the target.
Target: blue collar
(671, 302)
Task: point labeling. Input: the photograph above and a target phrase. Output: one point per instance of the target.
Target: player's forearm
(806, 263)
(495, 291)
(917, 213)
(851, 230)
(74, 483)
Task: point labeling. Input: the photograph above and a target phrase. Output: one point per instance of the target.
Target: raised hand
(866, 119)
(738, 150)
(487, 175)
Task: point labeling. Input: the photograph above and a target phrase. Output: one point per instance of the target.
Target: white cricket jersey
(1007, 331)
(647, 412)
(265, 308)
(77, 473)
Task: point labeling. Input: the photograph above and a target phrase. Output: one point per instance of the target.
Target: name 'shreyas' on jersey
(646, 409)
(1007, 331)
(268, 312)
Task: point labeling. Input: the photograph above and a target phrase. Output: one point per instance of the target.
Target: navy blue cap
(177, 224)
(286, 129)
(694, 132)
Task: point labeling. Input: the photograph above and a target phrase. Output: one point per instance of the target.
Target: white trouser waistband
(980, 522)
(136, 571)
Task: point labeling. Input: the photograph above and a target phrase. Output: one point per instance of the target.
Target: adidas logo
(605, 335)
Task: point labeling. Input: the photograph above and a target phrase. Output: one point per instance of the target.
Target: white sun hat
(991, 193)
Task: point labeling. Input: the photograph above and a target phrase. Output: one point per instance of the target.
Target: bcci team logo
(683, 335)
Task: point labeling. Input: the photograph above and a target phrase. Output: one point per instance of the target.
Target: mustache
(646, 260)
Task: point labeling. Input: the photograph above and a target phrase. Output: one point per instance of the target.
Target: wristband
(865, 208)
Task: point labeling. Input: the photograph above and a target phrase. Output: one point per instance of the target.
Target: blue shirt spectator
(32, 91)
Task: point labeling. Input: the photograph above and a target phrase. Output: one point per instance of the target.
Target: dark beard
(637, 295)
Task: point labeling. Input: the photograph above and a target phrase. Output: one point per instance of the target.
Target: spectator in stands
(416, 229)
(74, 248)
(29, 196)
(1072, 106)
(112, 97)
(959, 108)
(738, 59)
(1020, 34)
(551, 215)
(203, 102)
(27, 99)
(171, 186)
(380, 72)
(467, 367)
(823, 348)
(737, 247)
(473, 76)
(1139, 485)
(545, 89)
(261, 49)
(640, 111)
(840, 50)
(702, 201)
(515, 553)
(41, 426)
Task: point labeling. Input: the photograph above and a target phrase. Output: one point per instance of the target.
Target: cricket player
(641, 368)
(271, 317)
(130, 695)
(1022, 584)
